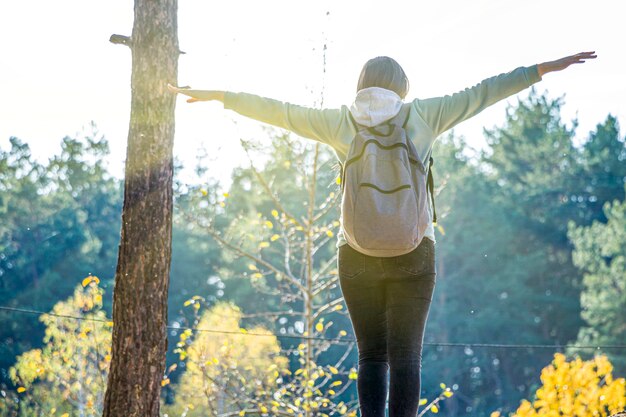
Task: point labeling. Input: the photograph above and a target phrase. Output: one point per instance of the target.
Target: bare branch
(287, 255)
(331, 205)
(234, 397)
(260, 261)
(345, 387)
(328, 263)
(326, 307)
(325, 285)
(337, 365)
(345, 355)
(263, 291)
(254, 411)
(273, 313)
(242, 253)
(267, 189)
(321, 244)
(121, 40)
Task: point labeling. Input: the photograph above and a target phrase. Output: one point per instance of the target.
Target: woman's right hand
(563, 63)
(197, 95)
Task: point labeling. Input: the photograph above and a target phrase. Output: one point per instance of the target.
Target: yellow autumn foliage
(576, 388)
(69, 371)
(226, 369)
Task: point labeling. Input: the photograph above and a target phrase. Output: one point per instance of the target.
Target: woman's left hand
(197, 95)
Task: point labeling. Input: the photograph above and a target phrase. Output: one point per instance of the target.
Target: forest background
(532, 236)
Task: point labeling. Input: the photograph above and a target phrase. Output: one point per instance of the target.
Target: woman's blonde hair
(384, 72)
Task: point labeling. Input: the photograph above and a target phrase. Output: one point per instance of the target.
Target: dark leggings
(388, 301)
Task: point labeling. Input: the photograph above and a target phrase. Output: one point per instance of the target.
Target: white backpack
(384, 190)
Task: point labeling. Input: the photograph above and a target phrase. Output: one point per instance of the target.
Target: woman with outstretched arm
(388, 298)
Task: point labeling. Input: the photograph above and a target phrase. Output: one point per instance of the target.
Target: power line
(337, 340)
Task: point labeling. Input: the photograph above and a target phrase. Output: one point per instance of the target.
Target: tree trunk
(143, 266)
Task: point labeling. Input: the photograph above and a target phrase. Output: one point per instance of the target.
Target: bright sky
(59, 71)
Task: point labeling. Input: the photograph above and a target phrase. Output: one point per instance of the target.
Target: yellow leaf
(165, 382)
(353, 374)
(333, 369)
(442, 385)
(242, 413)
(338, 180)
(21, 389)
(343, 333)
(226, 195)
(269, 224)
(441, 230)
(334, 384)
(109, 323)
(423, 401)
(203, 191)
(65, 415)
(186, 303)
(222, 204)
(89, 279)
(319, 327)
(338, 307)
(257, 275)
(329, 233)
(264, 244)
(287, 164)
(448, 394)
(263, 409)
(252, 267)
(274, 237)
(434, 409)
(275, 214)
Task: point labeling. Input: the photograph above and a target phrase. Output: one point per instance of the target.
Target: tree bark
(143, 266)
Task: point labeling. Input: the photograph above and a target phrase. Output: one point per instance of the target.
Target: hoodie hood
(374, 105)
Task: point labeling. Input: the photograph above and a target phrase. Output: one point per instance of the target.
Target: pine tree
(143, 268)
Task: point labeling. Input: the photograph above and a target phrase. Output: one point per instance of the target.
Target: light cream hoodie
(428, 118)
